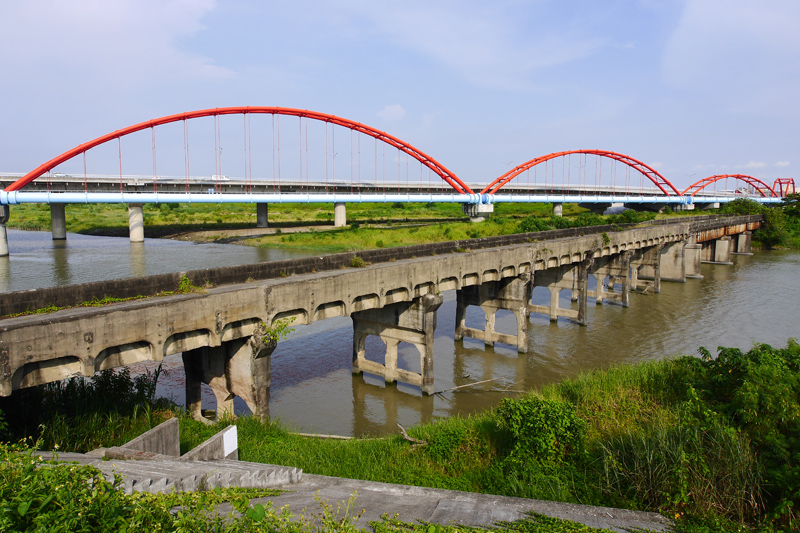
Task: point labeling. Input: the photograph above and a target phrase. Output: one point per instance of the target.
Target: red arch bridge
(266, 155)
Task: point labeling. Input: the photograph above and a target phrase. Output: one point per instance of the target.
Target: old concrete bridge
(223, 331)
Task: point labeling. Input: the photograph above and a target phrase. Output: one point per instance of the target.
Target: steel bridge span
(590, 177)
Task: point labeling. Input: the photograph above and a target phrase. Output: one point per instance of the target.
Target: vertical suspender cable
(186, 152)
(119, 146)
(85, 185)
(279, 153)
(155, 173)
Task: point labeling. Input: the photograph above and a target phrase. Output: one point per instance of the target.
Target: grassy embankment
(372, 225)
(712, 442)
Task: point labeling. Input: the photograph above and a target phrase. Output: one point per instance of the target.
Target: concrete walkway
(447, 506)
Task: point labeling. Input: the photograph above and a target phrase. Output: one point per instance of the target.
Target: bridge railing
(71, 295)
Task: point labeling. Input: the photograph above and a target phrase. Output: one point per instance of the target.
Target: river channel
(313, 390)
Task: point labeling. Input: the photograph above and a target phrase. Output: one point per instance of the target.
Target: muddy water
(755, 300)
(313, 390)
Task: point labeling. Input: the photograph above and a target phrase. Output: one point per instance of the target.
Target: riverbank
(708, 441)
(371, 226)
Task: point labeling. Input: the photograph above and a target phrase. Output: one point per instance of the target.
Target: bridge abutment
(413, 322)
(262, 215)
(58, 221)
(512, 294)
(135, 222)
(241, 367)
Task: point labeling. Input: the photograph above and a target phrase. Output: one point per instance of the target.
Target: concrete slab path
(449, 507)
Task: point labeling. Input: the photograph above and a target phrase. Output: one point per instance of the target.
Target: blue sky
(693, 88)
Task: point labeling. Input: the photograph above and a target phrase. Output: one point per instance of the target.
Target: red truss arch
(660, 181)
(784, 186)
(759, 185)
(440, 170)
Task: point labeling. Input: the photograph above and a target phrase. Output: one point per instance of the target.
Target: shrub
(542, 431)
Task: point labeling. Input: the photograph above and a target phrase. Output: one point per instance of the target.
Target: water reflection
(138, 259)
(61, 275)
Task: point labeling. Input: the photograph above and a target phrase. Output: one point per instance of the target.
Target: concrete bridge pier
(647, 266)
(692, 255)
(717, 251)
(58, 222)
(742, 243)
(573, 277)
(262, 215)
(617, 268)
(240, 367)
(135, 222)
(512, 294)
(5, 211)
(412, 322)
(558, 209)
(339, 215)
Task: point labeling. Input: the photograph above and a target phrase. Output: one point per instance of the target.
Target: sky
(693, 88)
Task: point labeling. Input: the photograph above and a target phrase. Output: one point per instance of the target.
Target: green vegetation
(781, 228)
(38, 495)
(358, 237)
(184, 287)
(711, 441)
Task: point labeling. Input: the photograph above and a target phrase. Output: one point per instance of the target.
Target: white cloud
(755, 164)
(782, 164)
(392, 112)
(124, 42)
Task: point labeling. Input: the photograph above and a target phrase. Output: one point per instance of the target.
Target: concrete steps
(175, 475)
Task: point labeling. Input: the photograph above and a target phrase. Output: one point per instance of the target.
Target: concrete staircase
(152, 463)
(176, 475)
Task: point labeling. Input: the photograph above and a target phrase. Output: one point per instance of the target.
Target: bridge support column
(647, 267)
(573, 277)
(717, 251)
(58, 222)
(262, 215)
(136, 222)
(617, 268)
(339, 215)
(558, 209)
(743, 244)
(673, 262)
(412, 322)
(239, 367)
(512, 294)
(5, 211)
(692, 255)
(477, 212)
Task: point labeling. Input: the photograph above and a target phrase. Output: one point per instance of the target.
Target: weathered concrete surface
(223, 445)
(164, 439)
(37, 349)
(450, 507)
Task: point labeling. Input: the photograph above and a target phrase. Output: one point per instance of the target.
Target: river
(754, 300)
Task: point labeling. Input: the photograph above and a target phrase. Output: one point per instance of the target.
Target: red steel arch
(784, 186)
(660, 181)
(750, 180)
(420, 156)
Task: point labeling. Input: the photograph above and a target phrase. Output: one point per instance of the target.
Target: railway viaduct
(225, 333)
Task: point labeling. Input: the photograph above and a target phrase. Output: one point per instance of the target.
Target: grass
(709, 441)
(184, 287)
